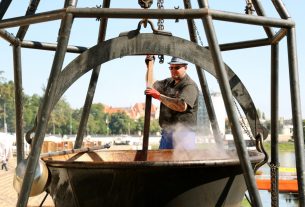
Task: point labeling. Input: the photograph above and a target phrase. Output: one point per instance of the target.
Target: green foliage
(97, 120)
(282, 146)
(119, 123)
(7, 106)
(154, 126)
(245, 203)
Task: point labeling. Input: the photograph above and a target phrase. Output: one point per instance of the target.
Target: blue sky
(122, 81)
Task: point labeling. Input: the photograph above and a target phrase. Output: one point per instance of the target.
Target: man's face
(177, 71)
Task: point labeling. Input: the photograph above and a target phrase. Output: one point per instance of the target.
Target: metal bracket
(135, 32)
(260, 148)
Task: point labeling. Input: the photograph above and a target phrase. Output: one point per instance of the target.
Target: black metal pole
(146, 125)
(18, 102)
(203, 83)
(144, 14)
(32, 19)
(9, 37)
(4, 4)
(274, 171)
(250, 19)
(86, 109)
(279, 36)
(296, 112)
(179, 14)
(231, 111)
(138, 13)
(260, 11)
(244, 44)
(30, 11)
(281, 9)
(92, 85)
(51, 46)
(149, 84)
(45, 110)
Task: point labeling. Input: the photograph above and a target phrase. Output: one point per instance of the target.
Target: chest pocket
(172, 90)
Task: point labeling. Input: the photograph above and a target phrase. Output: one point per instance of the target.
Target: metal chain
(260, 148)
(249, 7)
(242, 122)
(194, 25)
(197, 33)
(273, 170)
(160, 21)
(160, 27)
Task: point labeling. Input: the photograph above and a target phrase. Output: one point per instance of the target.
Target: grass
(283, 146)
(245, 203)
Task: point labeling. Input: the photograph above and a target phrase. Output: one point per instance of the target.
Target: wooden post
(149, 84)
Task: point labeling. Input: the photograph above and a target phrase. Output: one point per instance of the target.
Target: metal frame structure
(226, 83)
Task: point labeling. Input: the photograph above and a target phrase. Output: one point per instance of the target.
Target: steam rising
(187, 148)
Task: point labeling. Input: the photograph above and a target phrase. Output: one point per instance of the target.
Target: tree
(97, 119)
(2, 78)
(7, 106)
(31, 104)
(59, 120)
(154, 126)
(118, 123)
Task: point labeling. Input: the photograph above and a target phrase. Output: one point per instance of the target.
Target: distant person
(178, 108)
(5, 157)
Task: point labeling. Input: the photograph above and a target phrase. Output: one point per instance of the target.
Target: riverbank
(283, 146)
(287, 160)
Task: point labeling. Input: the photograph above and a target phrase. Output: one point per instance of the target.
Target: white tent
(6, 143)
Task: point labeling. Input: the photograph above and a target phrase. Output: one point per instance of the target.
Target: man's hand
(153, 92)
(149, 58)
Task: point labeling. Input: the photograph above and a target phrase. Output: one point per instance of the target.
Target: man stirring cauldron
(178, 108)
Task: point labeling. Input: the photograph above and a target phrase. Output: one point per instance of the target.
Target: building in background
(134, 112)
(204, 129)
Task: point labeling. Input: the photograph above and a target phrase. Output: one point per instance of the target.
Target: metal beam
(9, 37)
(147, 13)
(179, 14)
(296, 113)
(244, 44)
(260, 11)
(45, 110)
(279, 36)
(4, 4)
(18, 102)
(51, 46)
(204, 83)
(274, 163)
(281, 9)
(32, 19)
(92, 85)
(248, 19)
(30, 11)
(231, 111)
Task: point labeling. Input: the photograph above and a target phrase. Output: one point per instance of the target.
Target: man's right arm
(175, 104)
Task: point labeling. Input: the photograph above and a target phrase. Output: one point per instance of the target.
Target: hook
(144, 22)
(177, 20)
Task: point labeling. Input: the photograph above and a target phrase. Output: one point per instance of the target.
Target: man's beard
(176, 77)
